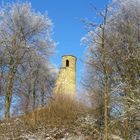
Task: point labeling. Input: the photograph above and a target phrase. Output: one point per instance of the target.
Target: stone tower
(66, 81)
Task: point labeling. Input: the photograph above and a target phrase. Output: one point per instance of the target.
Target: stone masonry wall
(66, 81)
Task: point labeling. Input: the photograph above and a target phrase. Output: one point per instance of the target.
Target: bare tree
(23, 34)
(121, 53)
(97, 61)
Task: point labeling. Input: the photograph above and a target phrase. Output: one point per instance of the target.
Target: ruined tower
(66, 81)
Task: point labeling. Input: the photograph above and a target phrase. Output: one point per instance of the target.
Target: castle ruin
(66, 80)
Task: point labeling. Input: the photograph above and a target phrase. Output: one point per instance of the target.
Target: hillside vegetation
(108, 103)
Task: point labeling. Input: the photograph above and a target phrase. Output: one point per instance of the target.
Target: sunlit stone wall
(66, 81)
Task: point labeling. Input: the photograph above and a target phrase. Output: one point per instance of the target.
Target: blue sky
(68, 29)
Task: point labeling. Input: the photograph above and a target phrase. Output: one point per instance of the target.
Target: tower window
(67, 63)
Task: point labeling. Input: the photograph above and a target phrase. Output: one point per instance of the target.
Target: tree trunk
(42, 98)
(126, 129)
(105, 78)
(28, 97)
(9, 91)
(34, 97)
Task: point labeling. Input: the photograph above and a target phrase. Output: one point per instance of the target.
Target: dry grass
(62, 110)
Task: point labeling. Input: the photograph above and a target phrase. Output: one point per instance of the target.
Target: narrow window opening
(67, 63)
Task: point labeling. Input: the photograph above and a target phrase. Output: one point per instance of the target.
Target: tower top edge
(69, 55)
